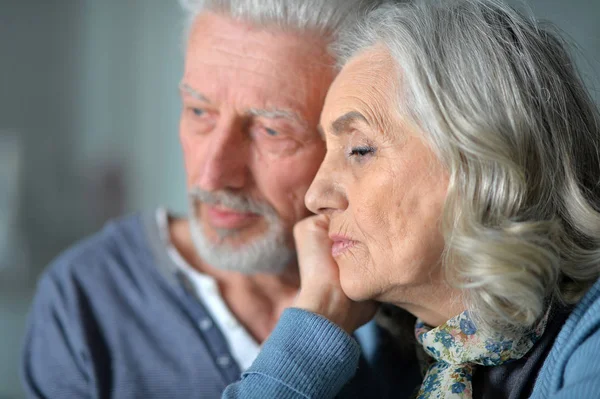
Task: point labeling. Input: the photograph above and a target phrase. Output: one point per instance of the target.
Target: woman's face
(381, 186)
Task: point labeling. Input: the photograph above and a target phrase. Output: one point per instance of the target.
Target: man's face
(251, 102)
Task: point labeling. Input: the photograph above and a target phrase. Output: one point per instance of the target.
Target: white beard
(270, 253)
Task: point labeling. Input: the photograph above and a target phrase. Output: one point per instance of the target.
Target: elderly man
(158, 306)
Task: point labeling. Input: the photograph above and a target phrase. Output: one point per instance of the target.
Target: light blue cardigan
(307, 356)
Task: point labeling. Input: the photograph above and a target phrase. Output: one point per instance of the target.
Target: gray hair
(322, 17)
(500, 101)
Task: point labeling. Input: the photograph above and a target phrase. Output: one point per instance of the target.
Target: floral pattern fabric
(457, 346)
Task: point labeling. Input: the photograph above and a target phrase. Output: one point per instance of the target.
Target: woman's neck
(433, 305)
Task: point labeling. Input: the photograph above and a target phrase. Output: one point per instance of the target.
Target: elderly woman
(462, 184)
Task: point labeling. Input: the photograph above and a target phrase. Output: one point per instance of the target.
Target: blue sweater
(112, 318)
(307, 356)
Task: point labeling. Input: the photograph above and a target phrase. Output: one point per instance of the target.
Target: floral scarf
(457, 347)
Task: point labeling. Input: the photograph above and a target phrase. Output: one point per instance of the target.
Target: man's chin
(258, 243)
(243, 253)
(230, 239)
(233, 238)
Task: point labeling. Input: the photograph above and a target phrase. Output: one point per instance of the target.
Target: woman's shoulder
(572, 368)
(584, 321)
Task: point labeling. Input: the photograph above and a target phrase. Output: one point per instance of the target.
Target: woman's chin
(357, 289)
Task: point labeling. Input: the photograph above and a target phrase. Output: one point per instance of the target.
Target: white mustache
(233, 201)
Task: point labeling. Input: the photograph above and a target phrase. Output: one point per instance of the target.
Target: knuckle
(299, 228)
(304, 226)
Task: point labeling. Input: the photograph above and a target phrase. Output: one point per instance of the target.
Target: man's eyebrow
(265, 113)
(184, 87)
(342, 123)
(272, 113)
(277, 114)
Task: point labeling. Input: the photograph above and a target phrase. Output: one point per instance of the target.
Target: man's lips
(227, 218)
(340, 244)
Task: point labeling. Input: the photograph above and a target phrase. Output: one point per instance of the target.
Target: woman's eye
(362, 151)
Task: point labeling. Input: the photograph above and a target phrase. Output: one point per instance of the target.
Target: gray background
(89, 112)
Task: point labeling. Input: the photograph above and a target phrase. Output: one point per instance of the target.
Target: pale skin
(378, 197)
(251, 103)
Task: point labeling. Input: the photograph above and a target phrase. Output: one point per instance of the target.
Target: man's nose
(225, 163)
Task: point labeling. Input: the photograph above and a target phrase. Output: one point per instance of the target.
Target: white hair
(269, 253)
(500, 101)
(322, 17)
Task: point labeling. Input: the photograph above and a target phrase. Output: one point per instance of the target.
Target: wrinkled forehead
(366, 84)
(212, 31)
(225, 54)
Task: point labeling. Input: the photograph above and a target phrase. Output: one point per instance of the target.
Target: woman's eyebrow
(342, 123)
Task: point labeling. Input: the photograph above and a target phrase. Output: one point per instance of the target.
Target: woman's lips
(340, 245)
(226, 218)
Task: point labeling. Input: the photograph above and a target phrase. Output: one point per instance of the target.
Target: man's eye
(361, 151)
(271, 132)
(198, 111)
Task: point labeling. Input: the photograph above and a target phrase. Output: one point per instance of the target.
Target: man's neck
(257, 301)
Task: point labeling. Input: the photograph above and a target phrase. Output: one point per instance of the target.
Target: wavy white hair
(323, 17)
(501, 103)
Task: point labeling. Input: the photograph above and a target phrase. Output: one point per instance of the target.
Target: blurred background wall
(89, 111)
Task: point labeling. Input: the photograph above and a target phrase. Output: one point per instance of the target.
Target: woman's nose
(326, 194)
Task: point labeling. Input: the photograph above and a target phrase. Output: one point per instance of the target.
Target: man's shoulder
(118, 247)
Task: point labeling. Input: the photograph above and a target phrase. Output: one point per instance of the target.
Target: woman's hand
(320, 289)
